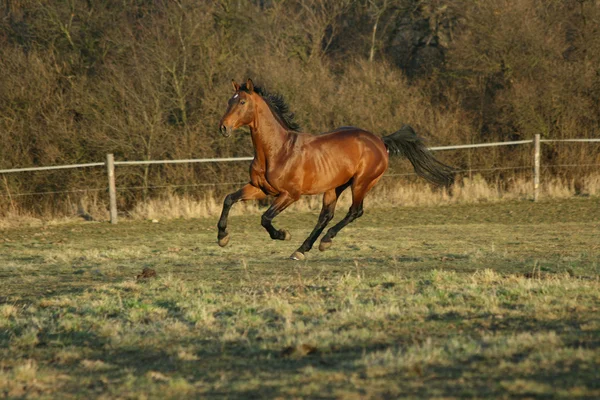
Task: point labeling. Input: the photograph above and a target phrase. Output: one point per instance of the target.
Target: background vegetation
(149, 79)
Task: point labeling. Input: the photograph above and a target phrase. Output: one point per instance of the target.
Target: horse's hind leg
(356, 210)
(329, 201)
(359, 191)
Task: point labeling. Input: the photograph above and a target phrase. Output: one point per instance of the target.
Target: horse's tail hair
(405, 142)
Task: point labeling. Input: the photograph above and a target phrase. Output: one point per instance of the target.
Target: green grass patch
(490, 300)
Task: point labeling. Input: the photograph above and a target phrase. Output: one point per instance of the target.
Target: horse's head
(240, 109)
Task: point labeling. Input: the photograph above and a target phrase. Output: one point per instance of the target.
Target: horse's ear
(235, 85)
(250, 85)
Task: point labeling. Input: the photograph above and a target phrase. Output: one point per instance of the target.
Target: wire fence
(110, 165)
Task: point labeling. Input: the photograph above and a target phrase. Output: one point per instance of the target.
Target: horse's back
(350, 145)
(341, 129)
(349, 136)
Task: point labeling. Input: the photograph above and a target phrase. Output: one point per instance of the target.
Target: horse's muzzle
(225, 130)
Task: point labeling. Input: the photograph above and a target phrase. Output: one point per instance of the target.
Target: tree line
(149, 79)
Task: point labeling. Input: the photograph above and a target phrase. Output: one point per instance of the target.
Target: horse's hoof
(223, 241)
(324, 245)
(297, 256)
(286, 235)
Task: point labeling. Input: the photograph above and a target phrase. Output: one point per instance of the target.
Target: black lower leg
(265, 221)
(229, 201)
(281, 203)
(324, 218)
(351, 216)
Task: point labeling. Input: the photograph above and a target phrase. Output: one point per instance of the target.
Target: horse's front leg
(283, 201)
(248, 192)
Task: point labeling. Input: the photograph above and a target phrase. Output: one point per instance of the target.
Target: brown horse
(288, 164)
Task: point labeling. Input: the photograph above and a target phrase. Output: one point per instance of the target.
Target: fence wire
(392, 175)
(180, 186)
(53, 192)
(124, 188)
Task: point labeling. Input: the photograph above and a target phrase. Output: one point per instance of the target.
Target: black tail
(405, 142)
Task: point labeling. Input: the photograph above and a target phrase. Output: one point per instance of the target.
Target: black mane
(279, 107)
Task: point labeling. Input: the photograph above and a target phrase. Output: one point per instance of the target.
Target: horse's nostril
(224, 130)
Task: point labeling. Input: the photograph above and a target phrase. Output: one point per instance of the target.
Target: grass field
(485, 300)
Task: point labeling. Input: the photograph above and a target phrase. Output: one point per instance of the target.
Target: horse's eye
(243, 102)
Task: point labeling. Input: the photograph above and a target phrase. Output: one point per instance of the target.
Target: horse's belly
(326, 179)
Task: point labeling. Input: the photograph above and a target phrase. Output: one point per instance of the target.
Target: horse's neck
(268, 136)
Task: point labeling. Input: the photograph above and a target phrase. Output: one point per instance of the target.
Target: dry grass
(174, 206)
(406, 194)
(388, 193)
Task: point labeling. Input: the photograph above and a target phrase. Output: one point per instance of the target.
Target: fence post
(112, 188)
(536, 167)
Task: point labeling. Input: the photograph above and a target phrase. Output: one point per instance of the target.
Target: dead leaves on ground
(146, 274)
(299, 351)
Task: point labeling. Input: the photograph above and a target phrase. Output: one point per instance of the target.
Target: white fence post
(112, 188)
(536, 167)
